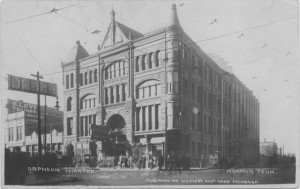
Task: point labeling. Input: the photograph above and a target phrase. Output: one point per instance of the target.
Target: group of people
(124, 162)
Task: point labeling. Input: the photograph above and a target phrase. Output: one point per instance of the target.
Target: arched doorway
(117, 136)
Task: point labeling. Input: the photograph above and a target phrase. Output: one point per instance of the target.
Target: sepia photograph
(150, 94)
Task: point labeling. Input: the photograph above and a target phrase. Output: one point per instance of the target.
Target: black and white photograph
(150, 94)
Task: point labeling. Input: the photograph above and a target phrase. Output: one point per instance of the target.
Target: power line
(52, 11)
(203, 40)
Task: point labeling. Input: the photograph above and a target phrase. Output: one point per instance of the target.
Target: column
(153, 116)
(141, 118)
(147, 117)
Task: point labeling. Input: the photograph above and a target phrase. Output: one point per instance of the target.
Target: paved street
(107, 177)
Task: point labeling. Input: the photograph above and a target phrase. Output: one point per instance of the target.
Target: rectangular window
(69, 126)
(157, 113)
(11, 134)
(137, 122)
(86, 124)
(150, 117)
(72, 80)
(67, 81)
(19, 133)
(81, 125)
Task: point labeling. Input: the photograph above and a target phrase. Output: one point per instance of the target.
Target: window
(67, 81)
(81, 79)
(69, 126)
(11, 134)
(19, 133)
(95, 75)
(137, 64)
(91, 77)
(88, 101)
(200, 66)
(72, 80)
(156, 59)
(199, 95)
(69, 104)
(85, 78)
(150, 60)
(148, 89)
(143, 62)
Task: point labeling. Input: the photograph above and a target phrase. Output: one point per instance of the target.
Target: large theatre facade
(156, 93)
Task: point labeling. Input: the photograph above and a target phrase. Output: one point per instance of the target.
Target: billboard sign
(32, 118)
(31, 86)
(19, 106)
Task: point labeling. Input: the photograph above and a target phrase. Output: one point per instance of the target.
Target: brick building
(156, 93)
(22, 131)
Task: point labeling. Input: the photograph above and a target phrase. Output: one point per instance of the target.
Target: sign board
(31, 86)
(213, 158)
(32, 118)
(19, 106)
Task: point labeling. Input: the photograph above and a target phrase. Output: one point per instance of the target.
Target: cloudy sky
(258, 38)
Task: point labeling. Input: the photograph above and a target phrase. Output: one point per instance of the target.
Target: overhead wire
(52, 11)
(195, 42)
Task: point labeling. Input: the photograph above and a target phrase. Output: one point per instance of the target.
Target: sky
(258, 38)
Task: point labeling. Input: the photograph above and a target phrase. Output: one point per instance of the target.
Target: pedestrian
(151, 162)
(168, 163)
(130, 161)
(160, 162)
(144, 161)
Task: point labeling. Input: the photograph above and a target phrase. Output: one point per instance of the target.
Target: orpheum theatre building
(156, 93)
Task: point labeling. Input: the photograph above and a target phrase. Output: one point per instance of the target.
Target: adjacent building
(157, 93)
(22, 130)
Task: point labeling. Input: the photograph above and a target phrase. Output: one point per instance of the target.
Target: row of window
(85, 103)
(19, 134)
(148, 89)
(88, 77)
(115, 94)
(207, 148)
(147, 117)
(116, 69)
(85, 122)
(147, 61)
(85, 78)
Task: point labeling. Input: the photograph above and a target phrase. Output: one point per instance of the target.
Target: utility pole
(45, 122)
(38, 77)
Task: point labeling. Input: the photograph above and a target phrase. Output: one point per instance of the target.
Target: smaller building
(268, 148)
(22, 129)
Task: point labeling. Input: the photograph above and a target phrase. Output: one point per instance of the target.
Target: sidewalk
(32, 179)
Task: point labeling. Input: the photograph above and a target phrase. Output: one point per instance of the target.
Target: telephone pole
(38, 77)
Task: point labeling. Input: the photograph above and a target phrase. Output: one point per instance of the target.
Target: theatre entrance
(118, 143)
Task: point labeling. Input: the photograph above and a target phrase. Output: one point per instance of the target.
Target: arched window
(69, 104)
(95, 75)
(88, 101)
(91, 77)
(156, 60)
(81, 79)
(137, 64)
(85, 78)
(148, 89)
(150, 60)
(143, 62)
